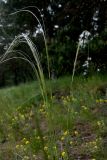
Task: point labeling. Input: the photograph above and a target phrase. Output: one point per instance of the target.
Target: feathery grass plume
(36, 65)
(43, 29)
(25, 9)
(37, 68)
(24, 38)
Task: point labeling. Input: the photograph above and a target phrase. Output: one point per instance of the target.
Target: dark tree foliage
(64, 21)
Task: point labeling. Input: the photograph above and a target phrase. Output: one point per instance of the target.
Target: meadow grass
(79, 133)
(11, 97)
(18, 95)
(44, 120)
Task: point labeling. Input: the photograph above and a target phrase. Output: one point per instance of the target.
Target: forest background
(67, 24)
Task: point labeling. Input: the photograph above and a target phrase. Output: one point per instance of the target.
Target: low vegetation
(73, 126)
(53, 118)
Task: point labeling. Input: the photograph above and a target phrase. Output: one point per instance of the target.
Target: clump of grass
(36, 64)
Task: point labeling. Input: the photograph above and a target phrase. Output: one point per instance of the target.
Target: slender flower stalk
(75, 62)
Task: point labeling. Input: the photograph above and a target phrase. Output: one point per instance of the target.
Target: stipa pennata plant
(36, 64)
(13, 53)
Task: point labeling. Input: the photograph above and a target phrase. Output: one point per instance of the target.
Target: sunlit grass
(11, 98)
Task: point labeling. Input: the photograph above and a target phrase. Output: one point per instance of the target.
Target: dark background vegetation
(64, 22)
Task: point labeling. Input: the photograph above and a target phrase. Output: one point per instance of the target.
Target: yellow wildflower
(95, 147)
(27, 142)
(76, 133)
(34, 156)
(66, 133)
(98, 123)
(45, 148)
(97, 101)
(25, 158)
(105, 100)
(54, 147)
(38, 138)
(24, 139)
(62, 138)
(22, 116)
(63, 154)
(84, 107)
(17, 146)
(71, 142)
(101, 100)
